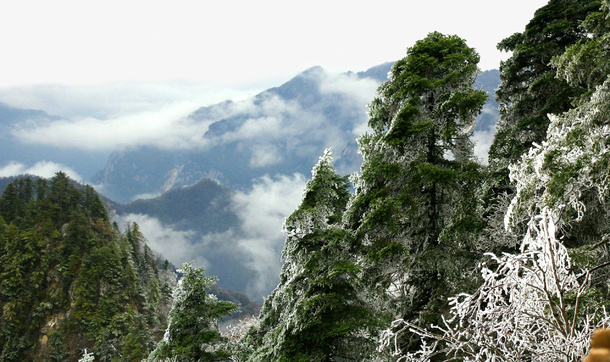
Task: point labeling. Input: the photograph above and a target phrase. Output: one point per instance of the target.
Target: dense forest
(70, 281)
(426, 254)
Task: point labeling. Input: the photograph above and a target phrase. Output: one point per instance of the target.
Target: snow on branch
(531, 306)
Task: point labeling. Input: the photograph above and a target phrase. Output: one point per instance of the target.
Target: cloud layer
(118, 115)
(44, 169)
(166, 128)
(262, 211)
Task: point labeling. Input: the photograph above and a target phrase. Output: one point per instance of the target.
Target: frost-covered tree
(544, 302)
(529, 89)
(556, 62)
(316, 313)
(586, 63)
(192, 333)
(415, 207)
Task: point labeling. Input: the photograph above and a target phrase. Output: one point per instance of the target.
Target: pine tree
(316, 313)
(414, 207)
(529, 89)
(192, 333)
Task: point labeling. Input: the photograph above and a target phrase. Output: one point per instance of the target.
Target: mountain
(282, 130)
(204, 207)
(488, 81)
(199, 213)
(13, 115)
(378, 72)
(69, 280)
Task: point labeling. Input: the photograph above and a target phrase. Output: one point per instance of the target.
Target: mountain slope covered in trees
(70, 281)
(434, 256)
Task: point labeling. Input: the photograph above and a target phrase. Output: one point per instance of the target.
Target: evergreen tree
(553, 292)
(543, 302)
(529, 89)
(586, 63)
(192, 333)
(539, 79)
(415, 210)
(316, 313)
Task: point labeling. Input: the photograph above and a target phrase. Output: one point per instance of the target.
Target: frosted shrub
(530, 307)
(87, 357)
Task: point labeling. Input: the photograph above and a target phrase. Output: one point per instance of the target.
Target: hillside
(69, 280)
(200, 214)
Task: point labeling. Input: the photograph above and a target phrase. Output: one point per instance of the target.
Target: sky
(232, 43)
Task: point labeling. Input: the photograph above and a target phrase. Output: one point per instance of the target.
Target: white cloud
(268, 127)
(483, 140)
(145, 196)
(44, 169)
(165, 128)
(360, 90)
(108, 116)
(264, 155)
(112, 100)
(174, 245)
(262, 211)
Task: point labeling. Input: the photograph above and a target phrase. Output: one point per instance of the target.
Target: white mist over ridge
(255, 243)
(45, 169)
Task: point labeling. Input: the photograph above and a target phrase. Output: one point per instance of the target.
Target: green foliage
(192, 334)
(415, 206)
(586, 63)
(316, 313)
(530, 90)
(66, 278)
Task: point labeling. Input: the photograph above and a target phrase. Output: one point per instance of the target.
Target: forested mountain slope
(69, 280)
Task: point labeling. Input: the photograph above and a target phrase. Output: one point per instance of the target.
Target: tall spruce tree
(316, 312)
(193, 333)
(414, 212)
(529, 89)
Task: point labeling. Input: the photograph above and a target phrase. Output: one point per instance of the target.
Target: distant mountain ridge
(12, 115)
(204, 206)
(282, 130)
(489, 82)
